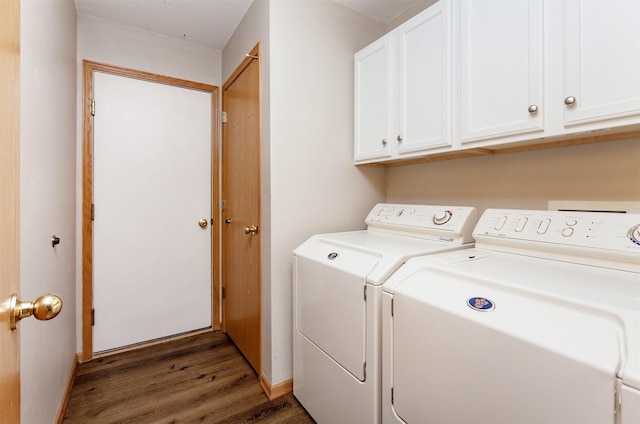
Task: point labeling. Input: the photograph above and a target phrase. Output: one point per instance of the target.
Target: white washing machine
(337, 286)
(538, 323)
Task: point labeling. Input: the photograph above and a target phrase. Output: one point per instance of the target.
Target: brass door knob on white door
(253, 230)
(203, 223)
(44, 308)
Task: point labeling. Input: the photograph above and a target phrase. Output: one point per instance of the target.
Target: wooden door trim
(254, 54)
(9, 204)
(88, 67)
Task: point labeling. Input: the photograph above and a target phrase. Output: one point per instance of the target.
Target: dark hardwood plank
(197, 379)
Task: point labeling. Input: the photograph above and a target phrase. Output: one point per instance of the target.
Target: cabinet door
(374, 92)
(501, 68)
(601, 60)
(424, 78)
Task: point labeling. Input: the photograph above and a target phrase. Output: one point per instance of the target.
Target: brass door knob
(253, 230)
(203, 223)
(44, 308)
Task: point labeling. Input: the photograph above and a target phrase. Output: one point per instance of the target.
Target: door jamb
(88, 67)
(10, 44)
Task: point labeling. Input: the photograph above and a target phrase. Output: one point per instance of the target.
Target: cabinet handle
(533, 108)
(384, 141)
(399, 138)
(570, 101)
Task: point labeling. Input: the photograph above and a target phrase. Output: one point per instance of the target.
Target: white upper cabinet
(424, 81)
(475, 74)
(601, 62)
(374, 70)
(533, 71)
(501, 68)
(403, 89)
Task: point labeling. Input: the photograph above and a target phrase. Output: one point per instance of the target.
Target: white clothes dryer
(538, 323)
(337, 286)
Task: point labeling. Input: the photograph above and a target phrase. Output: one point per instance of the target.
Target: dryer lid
(390, 251)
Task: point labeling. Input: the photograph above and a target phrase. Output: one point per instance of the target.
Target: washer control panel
(597, 230)
(424, 220)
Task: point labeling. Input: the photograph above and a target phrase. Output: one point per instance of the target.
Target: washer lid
(525, 358)
(609, 295)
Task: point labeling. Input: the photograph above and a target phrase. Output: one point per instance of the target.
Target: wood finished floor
(198, 379)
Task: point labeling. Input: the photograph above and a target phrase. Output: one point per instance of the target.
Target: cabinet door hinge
(223, 117)
(365, 292)
(93, 212)
(223, 292)
(92, 107)
(392, 396)
(364, 370)
(391, 306)
(93, 317)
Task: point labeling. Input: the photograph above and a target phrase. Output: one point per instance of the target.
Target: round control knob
(634, 234)
(441, 217)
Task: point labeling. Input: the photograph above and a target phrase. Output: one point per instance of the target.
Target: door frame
(88, 67)
(9, 206)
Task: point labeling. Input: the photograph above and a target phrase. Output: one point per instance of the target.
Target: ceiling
(208, 22)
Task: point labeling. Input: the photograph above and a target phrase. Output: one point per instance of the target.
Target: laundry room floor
(201, 378)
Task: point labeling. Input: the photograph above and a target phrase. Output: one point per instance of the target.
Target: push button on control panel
(501, 221)
(544, 226)
(568, 230)
(522, 222)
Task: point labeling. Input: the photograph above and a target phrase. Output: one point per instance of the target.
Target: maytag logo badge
(481, 304)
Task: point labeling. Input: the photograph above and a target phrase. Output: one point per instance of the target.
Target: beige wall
(605, 171)
(314, 186)
(309, 182)
(47, 197)
(120, 45)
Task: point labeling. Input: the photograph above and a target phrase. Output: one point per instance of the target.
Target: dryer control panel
(590, 234)
(452, 223)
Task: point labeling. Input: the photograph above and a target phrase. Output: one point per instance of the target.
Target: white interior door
(152, 185)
